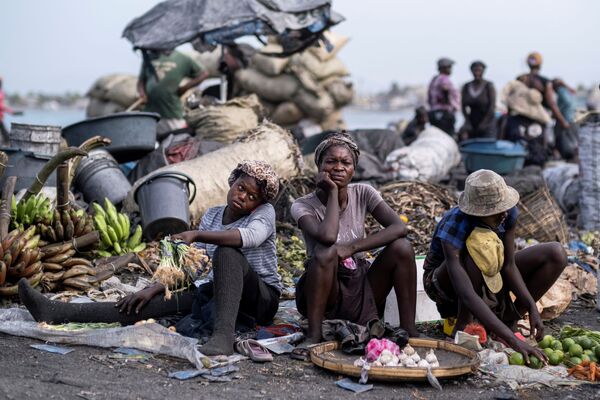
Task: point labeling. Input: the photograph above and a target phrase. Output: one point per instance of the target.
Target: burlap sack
(117, 88)
(226, 122)
(277, 89)
(98, 108)
(320, 70)
(269, 65)
(287, 113)
(336, 40)
(267, 142)
(316, 107)
(341, 91)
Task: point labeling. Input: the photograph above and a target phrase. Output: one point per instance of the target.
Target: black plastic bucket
(164, 200)
(25, 165)
(99, 176)
(133, 134)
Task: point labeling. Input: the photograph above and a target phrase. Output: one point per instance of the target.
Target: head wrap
(336, 139)
(263, 173)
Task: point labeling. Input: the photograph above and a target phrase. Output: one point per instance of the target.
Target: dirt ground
(93, 373)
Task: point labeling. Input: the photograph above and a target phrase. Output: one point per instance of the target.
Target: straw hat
(525, 101)
(487, 251)
(486, 194)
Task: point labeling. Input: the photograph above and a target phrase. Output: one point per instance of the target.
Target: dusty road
(93, 373)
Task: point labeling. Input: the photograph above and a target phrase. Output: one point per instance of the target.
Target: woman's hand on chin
(325, 183)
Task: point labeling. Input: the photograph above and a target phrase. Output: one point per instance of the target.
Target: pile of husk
(290, 190)
(291, 254)
(422, 203)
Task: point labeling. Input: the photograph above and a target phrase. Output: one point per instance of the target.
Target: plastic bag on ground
(152, 338)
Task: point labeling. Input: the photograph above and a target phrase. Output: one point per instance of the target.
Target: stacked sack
(310, 84)
(110, 94)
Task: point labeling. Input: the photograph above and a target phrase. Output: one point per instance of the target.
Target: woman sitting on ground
(240, 240)
(339, 283)
(472, 265)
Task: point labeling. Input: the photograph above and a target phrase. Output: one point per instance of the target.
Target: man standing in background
(443, 98)
(159, 85)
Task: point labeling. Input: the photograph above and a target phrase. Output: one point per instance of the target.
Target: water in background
(355, 118)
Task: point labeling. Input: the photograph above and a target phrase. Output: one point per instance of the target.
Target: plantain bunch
(64, 271)
(115, 231)
(65, 225)
(20, 257)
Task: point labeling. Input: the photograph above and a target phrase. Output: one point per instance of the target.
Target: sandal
(300, 354)
(253, 350)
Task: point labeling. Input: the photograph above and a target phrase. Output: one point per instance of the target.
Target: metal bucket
(99, 176)
(39, 139)
(25, 165)
(164, 200)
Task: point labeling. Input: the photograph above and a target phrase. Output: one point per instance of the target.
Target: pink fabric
(3, 107)
(436, 94)
(376, 346)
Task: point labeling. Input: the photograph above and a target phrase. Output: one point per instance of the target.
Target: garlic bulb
(409, 362)
(431, 357)
(402, 356)
(376, 363)
(416, 357)
(395, 359)
(359, 362)
(385, 357)
(393, 363)
(435, 365)
(423, 364)
(408, 350)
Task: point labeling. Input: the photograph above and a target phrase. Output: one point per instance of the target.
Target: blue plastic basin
(500, 156)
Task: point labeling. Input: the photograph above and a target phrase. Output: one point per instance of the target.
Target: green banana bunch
(115, 231)
(34, 210)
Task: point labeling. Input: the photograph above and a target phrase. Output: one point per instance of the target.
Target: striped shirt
(258, 239)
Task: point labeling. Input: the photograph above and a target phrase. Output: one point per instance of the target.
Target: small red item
(519, 336)
(476, 329)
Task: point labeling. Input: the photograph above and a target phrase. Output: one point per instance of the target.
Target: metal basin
(133, 134)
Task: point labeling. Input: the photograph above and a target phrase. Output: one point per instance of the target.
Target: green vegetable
(535, 362)
(548, 351)
(574, 361)
(557, 345)
(546, 342)
(576, 350)
(516, 358)
(554, 359)
(566, 343)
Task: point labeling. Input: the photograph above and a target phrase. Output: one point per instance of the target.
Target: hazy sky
(59, 45)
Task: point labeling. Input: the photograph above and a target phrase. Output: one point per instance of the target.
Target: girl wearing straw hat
(472, 265)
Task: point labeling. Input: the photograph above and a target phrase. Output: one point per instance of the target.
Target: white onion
(423, 364)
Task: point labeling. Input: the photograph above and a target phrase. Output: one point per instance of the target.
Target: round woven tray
(454, 361)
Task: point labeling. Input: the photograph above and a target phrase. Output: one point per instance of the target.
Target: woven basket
(540, 218)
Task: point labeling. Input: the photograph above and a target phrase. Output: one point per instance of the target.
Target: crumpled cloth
(376, 346)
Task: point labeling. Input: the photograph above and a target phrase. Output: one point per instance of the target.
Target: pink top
(436, 95)
(3, 107)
